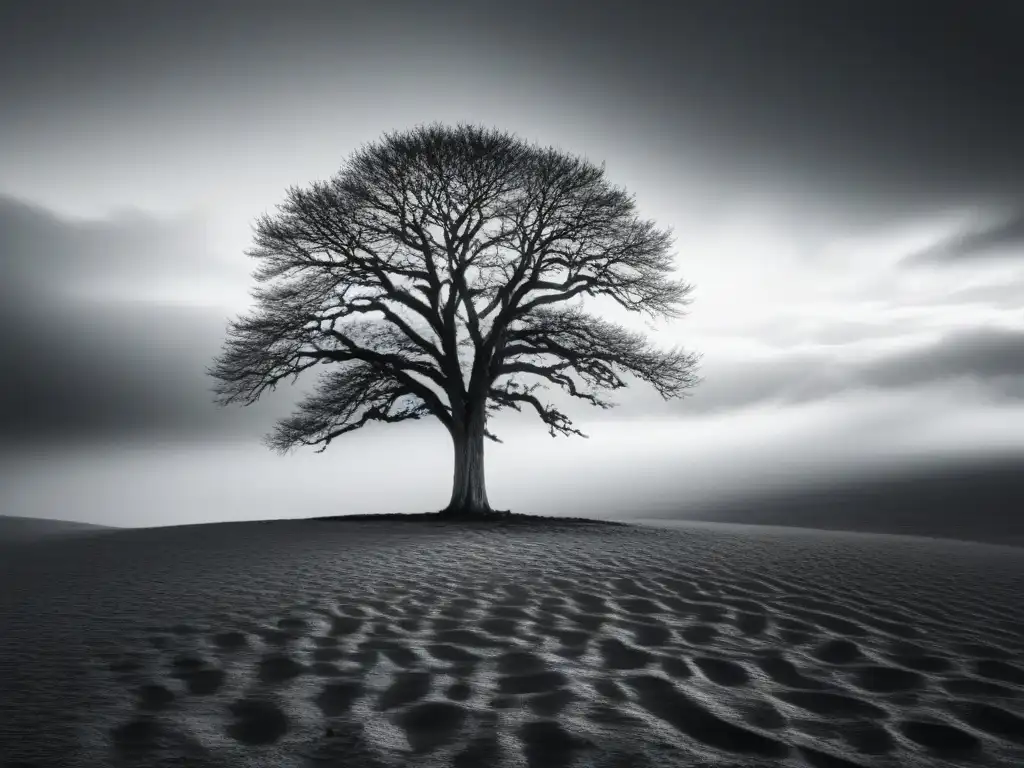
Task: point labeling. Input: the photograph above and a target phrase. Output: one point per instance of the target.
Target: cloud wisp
(1002, 239)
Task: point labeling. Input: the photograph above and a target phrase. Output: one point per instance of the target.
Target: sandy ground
(305, 643)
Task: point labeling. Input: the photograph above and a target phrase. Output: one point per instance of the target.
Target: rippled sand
(382, 643)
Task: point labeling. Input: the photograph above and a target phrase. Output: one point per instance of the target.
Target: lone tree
(434, 272)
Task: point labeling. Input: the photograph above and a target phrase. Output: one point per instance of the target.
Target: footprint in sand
(784, 672)
(666, 702)
(991, 719)
(699, 634)
(618, 655)
(839, 651)
(882, 679)
(406, 688)
(940, 739)
(256, 721)
(277, 668)
(432, 724)
(337, 697)
(200, 676)
(230, 641)
(1000, 671)
(722, 671)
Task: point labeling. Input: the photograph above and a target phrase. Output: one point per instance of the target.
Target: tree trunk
(469, 491)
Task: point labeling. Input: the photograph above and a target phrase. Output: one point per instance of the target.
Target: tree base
(469, 514)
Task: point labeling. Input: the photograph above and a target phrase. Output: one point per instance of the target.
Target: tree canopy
(435, 273)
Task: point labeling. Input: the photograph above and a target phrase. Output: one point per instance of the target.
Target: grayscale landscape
(530, 385)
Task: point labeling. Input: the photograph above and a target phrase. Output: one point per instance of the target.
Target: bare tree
(436, 271)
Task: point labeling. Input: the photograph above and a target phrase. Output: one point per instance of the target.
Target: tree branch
(597, 350)
(558, 423)
(440, 242)
(347, 399)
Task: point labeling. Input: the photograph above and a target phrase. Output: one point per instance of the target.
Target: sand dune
(380, 643)
(20, 530)
(964, 499)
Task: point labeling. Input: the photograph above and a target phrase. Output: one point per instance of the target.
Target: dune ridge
(966, 499)
(22, 530)
(376, 643)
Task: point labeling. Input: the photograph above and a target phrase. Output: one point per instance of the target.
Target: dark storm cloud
(732, 384)
(992, 357)
(105, 373)
(872, 108)
(983, 354)
(85, 368)
(1003, 239)
(42, 251)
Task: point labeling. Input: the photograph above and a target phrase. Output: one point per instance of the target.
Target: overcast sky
(845, 181)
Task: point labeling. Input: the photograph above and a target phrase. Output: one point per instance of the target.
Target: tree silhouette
(434, 272)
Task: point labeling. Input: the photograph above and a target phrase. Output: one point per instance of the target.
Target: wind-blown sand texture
(380, 643)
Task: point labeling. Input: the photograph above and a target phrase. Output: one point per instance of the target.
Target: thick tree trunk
(469, 491)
